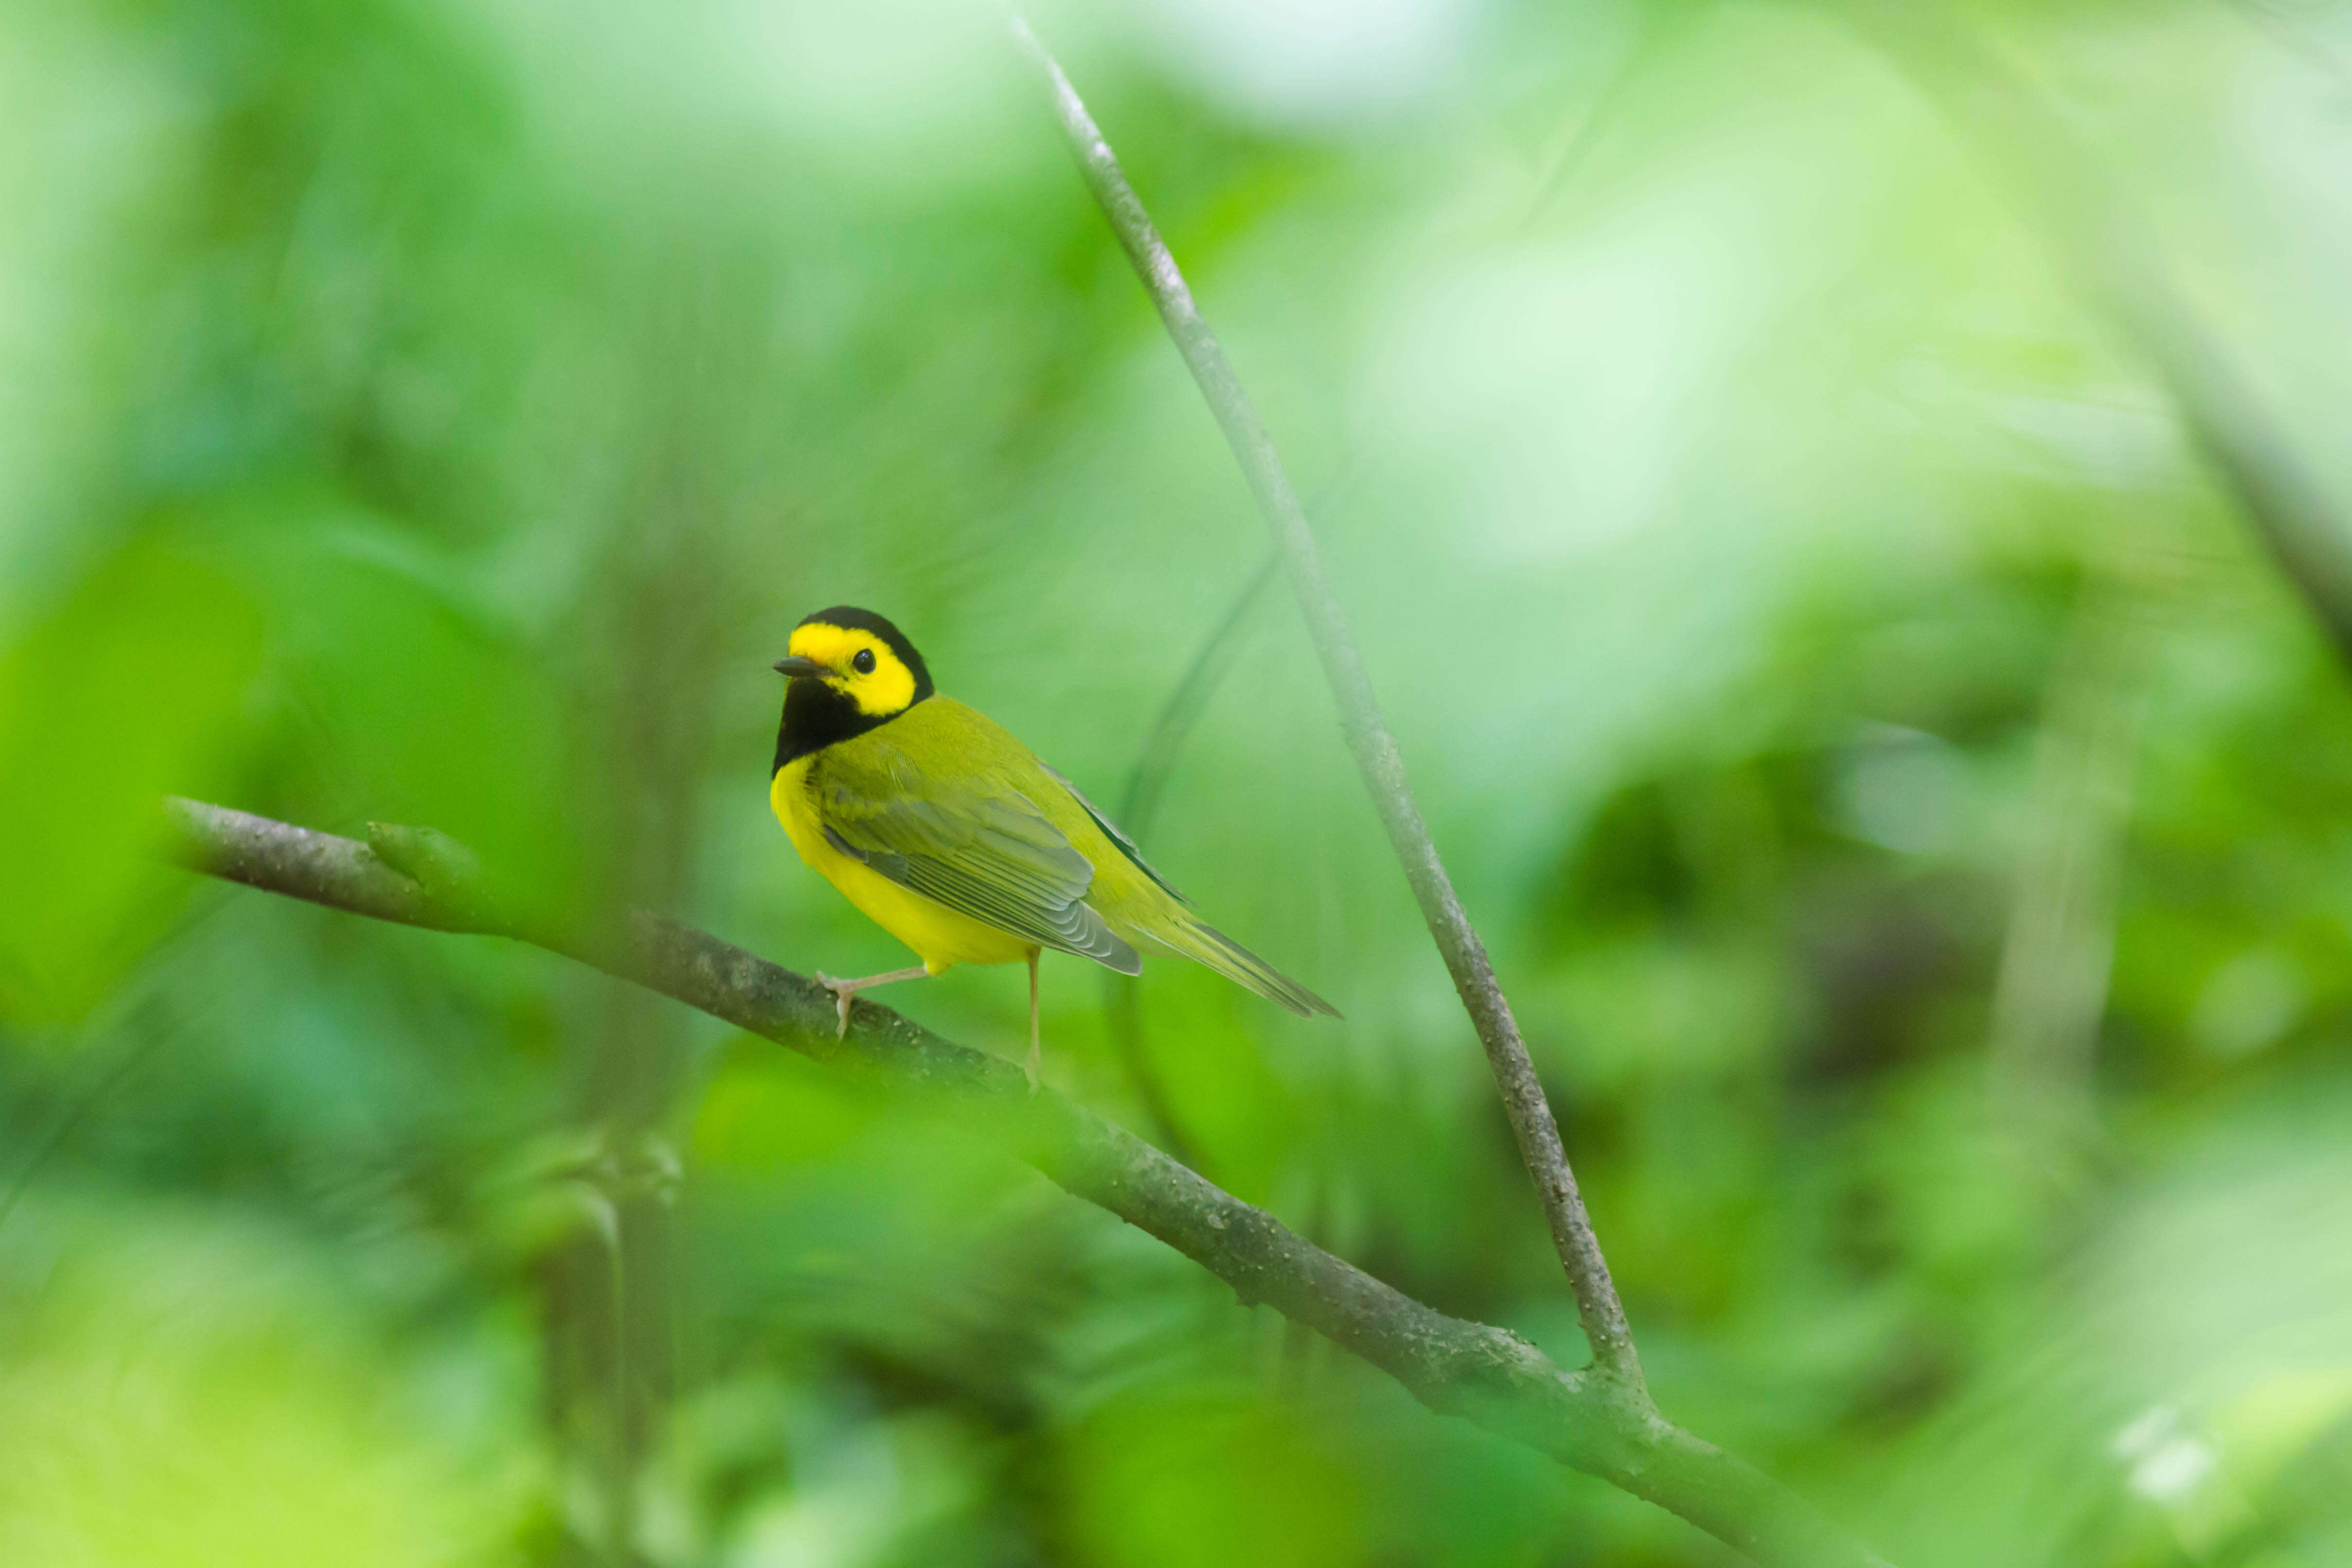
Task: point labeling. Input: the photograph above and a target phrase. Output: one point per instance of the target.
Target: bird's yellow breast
(938, 935)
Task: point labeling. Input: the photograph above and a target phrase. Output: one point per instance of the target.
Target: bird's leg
(845, 991)
(1036, 1054)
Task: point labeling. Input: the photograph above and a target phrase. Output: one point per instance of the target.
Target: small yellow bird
(954, 837)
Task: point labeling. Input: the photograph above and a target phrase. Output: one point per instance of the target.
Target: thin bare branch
(1655, 31)
(1139, 806)
(1598, 1308)
(2050, 994)
(1481, 1373)
(2109, 253)
(2289, 28)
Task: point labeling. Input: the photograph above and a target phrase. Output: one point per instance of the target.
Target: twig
(2106, 252)
(2291, 31)
(1140, 805)
(1652, 31)
(70, 1122)
(2056, 954)
(1481, 1373)
(1598, 1308)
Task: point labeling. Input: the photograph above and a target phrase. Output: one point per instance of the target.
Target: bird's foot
(843, 993)
(1030, 1065)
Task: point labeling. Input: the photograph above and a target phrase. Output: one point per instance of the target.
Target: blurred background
(1911, 814)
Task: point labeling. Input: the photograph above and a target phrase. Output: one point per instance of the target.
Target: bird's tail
(1208, 946)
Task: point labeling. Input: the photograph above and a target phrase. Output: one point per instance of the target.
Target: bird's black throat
(816, 715)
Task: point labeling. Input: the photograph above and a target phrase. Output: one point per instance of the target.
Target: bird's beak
(797, 667)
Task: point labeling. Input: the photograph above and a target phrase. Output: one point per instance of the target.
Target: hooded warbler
(953, 837)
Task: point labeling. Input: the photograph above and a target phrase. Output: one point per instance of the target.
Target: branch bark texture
(413, 876)
(1598, 1308)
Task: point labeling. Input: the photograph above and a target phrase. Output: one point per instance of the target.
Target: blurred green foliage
(1910, 818)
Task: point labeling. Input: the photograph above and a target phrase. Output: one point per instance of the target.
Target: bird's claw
(843, 995)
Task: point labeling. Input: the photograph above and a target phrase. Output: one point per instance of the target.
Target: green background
(1908, 813)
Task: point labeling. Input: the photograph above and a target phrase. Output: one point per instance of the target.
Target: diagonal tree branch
(413, 876)
(1597, 1306)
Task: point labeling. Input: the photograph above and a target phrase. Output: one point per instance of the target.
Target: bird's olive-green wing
(965, 838)
(1120, 840)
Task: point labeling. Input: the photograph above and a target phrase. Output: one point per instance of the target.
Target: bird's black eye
(864, 662)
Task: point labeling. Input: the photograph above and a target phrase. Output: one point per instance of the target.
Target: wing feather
(1125, 845)
(985, 853)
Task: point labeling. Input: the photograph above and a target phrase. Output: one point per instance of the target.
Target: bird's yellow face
(856, 664)
(851, 672)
